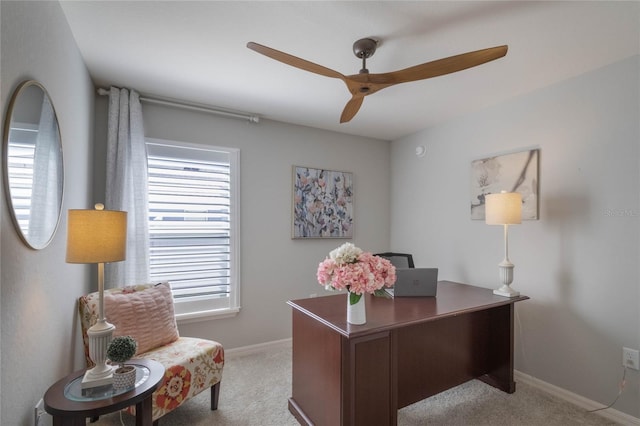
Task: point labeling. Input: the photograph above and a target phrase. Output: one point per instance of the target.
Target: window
(194, 226)
(21, 150)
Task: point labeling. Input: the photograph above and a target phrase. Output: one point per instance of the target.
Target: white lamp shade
(96, 236)
(504, 208)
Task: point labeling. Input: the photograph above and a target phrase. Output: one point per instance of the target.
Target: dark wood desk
(68, 412)
(409, 349)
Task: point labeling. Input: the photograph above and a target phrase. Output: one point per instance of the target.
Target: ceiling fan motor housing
(363, 49)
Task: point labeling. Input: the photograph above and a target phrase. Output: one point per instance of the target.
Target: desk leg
(316, 372)
(368, 381)
(500, 357)
(144, 415)
(338, 381)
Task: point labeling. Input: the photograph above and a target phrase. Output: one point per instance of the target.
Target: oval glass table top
(33, 167)
(74, 391)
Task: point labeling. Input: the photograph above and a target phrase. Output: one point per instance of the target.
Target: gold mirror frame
(33, 164)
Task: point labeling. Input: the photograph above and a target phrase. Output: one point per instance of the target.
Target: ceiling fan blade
(294, 61)
(441, 66)
(352, 108)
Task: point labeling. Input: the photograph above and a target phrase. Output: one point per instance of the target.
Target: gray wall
(275, 268)
(579, 262)
(38, 289)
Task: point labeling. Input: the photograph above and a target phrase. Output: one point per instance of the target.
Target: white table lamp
(504, 209)
(97, 236)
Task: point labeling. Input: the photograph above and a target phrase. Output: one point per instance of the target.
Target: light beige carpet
(255, 388)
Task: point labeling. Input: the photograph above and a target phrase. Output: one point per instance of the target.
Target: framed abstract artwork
(516, 172)
(322, 203)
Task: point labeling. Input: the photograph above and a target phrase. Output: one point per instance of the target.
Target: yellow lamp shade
(96, 236)
(504, 208)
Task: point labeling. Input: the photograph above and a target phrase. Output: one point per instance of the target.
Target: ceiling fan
(364, 83)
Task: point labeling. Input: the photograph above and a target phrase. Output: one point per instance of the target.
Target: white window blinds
(20, 154)
(192, 226)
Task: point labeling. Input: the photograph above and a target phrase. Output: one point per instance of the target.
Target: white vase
(356, 313)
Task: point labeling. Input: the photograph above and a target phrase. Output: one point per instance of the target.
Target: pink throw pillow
(145, 315)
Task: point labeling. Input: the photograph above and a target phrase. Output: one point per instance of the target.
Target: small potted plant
(120, 350)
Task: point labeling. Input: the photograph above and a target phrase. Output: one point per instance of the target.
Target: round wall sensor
(421, 151)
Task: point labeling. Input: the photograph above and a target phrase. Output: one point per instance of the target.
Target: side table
(70, 407)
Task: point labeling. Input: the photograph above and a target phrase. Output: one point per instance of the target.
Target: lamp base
(91, 381)
(506, 277)
(506, 291)
(100, 335)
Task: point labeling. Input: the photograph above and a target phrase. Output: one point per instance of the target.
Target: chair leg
(215, 394)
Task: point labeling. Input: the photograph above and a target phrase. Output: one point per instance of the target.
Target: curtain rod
(251, 118)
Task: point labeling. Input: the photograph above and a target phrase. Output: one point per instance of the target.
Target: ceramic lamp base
(100, 335)
(506, 291)
(505, 269)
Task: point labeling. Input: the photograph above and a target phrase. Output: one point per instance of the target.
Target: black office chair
(399, 260)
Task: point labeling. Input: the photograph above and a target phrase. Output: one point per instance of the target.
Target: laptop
(414, 282)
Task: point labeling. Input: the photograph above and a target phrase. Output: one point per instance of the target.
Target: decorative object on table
(518, 172)
(349, 268)
(505, 209)
(33, 165)
(322, 203)
(120, 350)
(97, 236)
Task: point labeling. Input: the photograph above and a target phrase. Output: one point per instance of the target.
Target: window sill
(206, 315)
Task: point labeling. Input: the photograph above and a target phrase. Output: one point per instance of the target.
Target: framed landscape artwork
(322, 203)
(517, 172)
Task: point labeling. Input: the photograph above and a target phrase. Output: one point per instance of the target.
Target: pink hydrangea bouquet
(348, 267)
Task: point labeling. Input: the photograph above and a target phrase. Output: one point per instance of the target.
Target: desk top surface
(385, 313)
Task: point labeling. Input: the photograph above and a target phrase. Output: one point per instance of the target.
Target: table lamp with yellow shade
(97, 236)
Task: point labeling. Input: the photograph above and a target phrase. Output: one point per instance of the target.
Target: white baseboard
(245, 350)
(575, 399)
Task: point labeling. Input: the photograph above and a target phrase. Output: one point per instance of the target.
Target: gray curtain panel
(126, 187)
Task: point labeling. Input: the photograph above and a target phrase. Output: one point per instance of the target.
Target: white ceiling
(196, 51)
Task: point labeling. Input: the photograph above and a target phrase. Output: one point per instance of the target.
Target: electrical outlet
(631, 358)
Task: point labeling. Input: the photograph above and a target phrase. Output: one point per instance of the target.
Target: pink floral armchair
(146, 313)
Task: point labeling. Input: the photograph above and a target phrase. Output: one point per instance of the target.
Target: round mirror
(33, 169)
